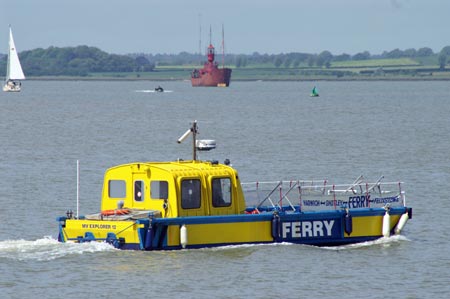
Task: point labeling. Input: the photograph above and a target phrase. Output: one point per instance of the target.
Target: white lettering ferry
(194, 204)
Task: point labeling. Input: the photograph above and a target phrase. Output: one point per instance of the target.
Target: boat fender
(112, 239)
(88, 236)
(183, 236)
(149, 238)
(276, 227)
(401, 223)
(348, 223)
(386, 222)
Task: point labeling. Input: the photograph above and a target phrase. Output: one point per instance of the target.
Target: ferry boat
(194, 204)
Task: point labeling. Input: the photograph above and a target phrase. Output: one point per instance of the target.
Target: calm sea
(269, 131)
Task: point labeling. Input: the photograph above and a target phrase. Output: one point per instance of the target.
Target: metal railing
(316, 195)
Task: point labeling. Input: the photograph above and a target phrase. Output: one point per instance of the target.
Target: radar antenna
(201, 145)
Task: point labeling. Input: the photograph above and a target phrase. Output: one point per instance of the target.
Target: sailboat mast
(14, 69)
(8, 64)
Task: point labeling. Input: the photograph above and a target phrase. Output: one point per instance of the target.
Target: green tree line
(293, 59)
(84, 60)
(296, 59)
(76, 61)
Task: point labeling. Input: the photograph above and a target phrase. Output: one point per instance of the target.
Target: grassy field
(374, 69)
(282, 75)
(399, 62)
(372, 63)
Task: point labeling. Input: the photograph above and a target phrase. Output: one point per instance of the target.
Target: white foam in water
(47, 248)
(227, 247)
(152, 90)
(381, 241)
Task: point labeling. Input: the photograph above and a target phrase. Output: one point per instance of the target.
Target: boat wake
(240, 246)
(152, 91)
(47, 248)
(384, 242)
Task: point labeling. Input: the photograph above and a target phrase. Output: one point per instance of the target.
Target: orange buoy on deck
(115, 212)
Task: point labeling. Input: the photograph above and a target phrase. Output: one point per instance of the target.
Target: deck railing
(316, 195)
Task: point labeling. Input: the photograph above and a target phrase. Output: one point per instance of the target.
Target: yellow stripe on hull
(370, 226)
(292, 229)
(222, 233)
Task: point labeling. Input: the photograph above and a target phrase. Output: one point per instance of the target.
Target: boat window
(159, 190)
(138, 190)
(221, 192)
(116, 189)
(190, 194)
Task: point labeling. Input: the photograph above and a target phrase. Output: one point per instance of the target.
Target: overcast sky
(264, 26)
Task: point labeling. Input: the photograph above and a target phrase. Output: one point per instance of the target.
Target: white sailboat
(14, 71)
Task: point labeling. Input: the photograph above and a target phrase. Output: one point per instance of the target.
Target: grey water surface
(269, 131)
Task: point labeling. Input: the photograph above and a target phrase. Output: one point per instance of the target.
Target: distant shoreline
(270, 74)
(233, 80)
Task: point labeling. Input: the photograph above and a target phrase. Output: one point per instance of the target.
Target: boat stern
(126, 234)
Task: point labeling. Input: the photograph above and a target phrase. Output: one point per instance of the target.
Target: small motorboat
(159, 89)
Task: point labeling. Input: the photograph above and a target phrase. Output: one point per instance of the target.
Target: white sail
(14, 70)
